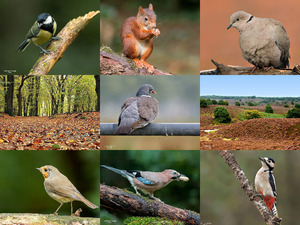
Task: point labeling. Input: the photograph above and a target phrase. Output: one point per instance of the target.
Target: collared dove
(138, 112)
(263, 41)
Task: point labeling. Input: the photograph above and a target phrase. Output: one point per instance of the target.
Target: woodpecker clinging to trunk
(265, 183)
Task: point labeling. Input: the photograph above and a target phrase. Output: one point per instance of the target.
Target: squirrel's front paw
(156, 32)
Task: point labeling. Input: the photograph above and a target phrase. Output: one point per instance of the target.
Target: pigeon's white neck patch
(48, 20)
(148, 96)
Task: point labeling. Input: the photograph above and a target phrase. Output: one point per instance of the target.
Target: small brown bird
(61, 189)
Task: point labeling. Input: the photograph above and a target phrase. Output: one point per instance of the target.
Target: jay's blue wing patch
(138, 176)
(145, 181)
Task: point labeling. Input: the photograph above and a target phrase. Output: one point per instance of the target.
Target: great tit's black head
(45, 21)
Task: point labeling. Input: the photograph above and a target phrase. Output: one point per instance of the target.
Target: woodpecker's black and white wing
(273, 185)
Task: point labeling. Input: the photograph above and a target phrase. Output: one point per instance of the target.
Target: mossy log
(114, 198)
(112, 63)
(57, 47)
(240, 70)
(36, 219)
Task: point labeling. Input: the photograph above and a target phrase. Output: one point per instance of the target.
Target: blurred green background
(176, 49)
(224, 202)
(22, 186)
(184, 195)
(81, 57)
(178, 98)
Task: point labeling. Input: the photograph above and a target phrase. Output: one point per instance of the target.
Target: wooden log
(112, 63)
(222, 69)
(114, 198)
(30, 218)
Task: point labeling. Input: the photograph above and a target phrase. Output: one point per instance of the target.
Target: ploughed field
(253, 134)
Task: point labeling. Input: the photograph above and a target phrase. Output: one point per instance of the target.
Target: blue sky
(244, 85)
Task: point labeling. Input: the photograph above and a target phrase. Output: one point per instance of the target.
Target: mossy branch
(57, 47)
(113, 198)
(112, 63)
(241, 70)
(246, 186)
(28, 218)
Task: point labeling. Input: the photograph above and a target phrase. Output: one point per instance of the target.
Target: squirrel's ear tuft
(141, 10)
(151, 6)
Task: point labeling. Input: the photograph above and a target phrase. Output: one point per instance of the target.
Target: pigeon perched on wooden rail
(263, 41)
(139, 111)
(147, 181)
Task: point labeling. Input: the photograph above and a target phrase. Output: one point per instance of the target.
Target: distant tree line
(268, 99)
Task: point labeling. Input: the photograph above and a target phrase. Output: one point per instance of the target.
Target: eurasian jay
(148, 182)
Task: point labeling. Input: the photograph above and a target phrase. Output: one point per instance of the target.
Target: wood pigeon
(147, 181)
(139, 111)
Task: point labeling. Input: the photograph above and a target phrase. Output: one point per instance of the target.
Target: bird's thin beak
(183, 178)
(262, 159)
(154, 92)
(39, 169)
(230, 25)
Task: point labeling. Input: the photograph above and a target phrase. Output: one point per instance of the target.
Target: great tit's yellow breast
(54, 27)
(42, 37)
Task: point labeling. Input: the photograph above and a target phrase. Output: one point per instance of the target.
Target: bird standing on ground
(265, 183)
(263, 41)
(148, 182)
(41, 31)
(61, 189)
(139, 111)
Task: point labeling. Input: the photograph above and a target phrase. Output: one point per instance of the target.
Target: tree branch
(114, 198)
(57, 47)
(240, 70)
(246, 186)
(114, 64)
(28, 218)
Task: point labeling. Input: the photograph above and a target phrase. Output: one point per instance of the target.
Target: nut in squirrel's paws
(156, 32)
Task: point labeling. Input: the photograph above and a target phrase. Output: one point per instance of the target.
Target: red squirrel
(137, 36)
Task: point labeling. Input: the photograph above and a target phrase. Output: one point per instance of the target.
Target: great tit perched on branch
(41, 31)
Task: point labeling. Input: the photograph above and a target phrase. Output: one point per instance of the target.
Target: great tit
(41, 31)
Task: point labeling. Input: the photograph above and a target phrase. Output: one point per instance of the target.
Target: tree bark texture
(28, 218)
(57, 47)
(114, 64)
(9, 95)
(240, 70)
(97, 89)
(246, 186)
(114, 198)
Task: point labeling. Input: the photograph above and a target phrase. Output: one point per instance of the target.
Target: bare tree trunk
(9, 95)
(97, 89)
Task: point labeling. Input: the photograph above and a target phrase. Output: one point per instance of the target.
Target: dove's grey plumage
(263, 41)
(139, 111)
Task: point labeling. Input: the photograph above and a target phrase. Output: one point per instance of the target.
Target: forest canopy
(27, 95)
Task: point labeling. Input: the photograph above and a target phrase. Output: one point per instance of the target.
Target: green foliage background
(22, 188)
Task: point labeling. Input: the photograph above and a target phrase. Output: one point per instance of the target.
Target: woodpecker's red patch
(269, 200)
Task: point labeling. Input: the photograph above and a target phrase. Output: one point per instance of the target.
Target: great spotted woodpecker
(265, 183)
